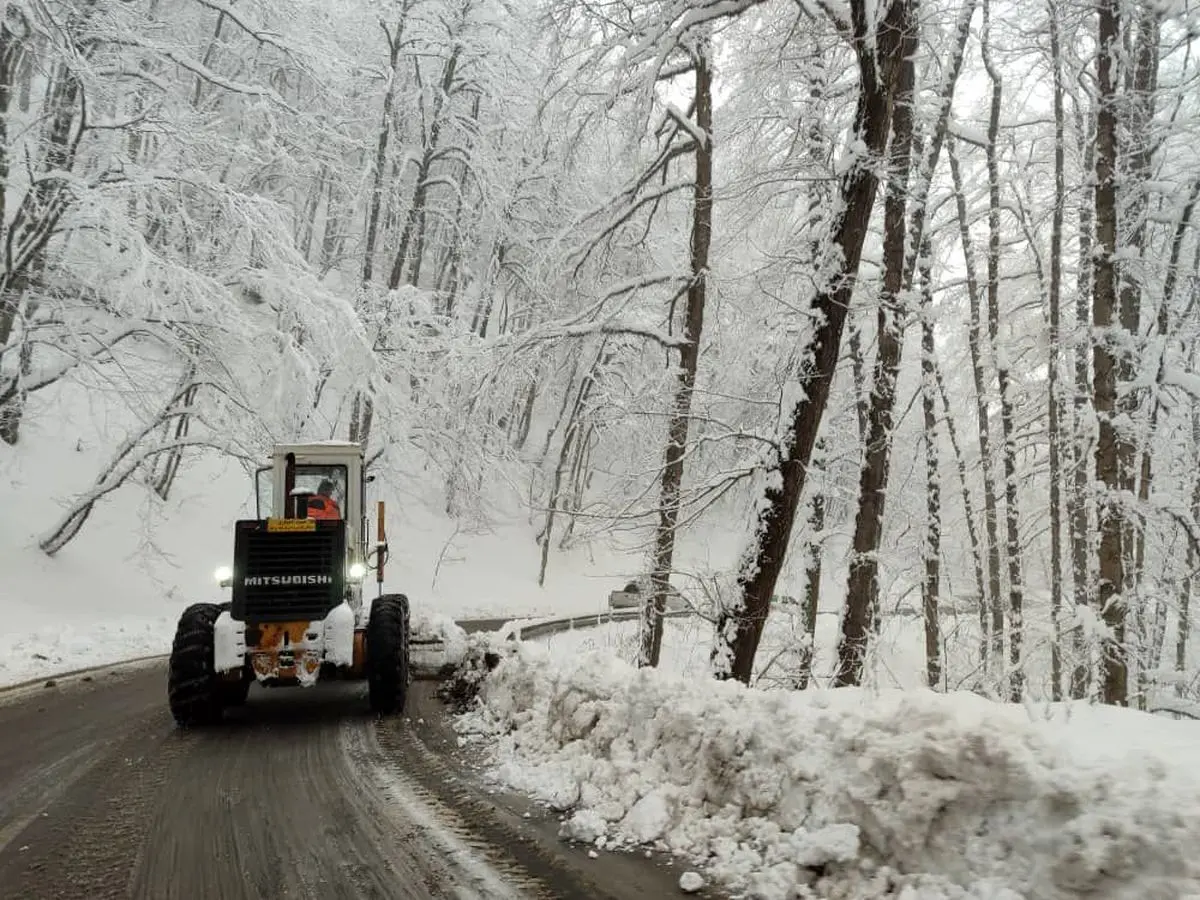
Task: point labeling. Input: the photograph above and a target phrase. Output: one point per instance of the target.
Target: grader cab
(297, 612)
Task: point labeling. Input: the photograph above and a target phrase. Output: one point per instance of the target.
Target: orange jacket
(322, 506)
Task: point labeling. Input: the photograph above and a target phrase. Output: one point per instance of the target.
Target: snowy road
(300, 795)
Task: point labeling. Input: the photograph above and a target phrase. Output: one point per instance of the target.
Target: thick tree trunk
(1082, 573)
(1110, 449)
(861, 617)
(900, 265)
(1137, 474)
(1054, 423)
(651, 629)
(1184, 627)
(739, 629)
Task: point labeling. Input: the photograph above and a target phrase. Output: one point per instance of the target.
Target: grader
(296, 613)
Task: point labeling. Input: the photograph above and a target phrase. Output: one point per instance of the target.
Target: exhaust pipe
(289, 485)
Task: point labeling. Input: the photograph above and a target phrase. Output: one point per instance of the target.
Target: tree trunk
(651, 628)
(574, 423)
(525, 419)
(877, 48)
(900, 262)
(165, 467)
(1083, 582)
(581, 476)
(862, 390)
(1016, 588)
(995, 656)
(1192, 563)
(1110, 449)
(10, 53)
(931, 584)
(544, 455)
(381, 145)
(362, 408)
(307, 226)
(1139, 109)
(1054, 423)
(861, 617)
(362, 416)
(449, 280)
(414, 223)
(812, 577)
(35, 221)
(128, 457)
(977, 553)
(1184, 627)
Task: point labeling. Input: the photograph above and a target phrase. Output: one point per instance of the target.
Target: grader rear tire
(193, 690)
(387, 654)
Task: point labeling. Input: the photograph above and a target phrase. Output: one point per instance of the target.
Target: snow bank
(832, 794)
(49, 651)
(426, 625)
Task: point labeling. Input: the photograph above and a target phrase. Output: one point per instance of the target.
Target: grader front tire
(387, 654)
(193, 690)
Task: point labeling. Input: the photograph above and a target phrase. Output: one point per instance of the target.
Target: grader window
(310, 479)
(323, 484)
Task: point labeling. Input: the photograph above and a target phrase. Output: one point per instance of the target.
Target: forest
(901, 294)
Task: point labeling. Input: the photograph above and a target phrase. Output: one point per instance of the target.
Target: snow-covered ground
(849, 793)
(895, 661)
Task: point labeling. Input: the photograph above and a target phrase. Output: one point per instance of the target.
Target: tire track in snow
(484, 873)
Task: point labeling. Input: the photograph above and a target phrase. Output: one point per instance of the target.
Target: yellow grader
(296, 612)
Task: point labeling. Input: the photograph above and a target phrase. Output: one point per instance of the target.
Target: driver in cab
(321, 505)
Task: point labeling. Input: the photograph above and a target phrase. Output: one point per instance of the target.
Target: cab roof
(320, 450)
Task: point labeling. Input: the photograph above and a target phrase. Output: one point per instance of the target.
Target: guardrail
(548, 627)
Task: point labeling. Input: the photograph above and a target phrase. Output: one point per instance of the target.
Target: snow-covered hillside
(850, 793)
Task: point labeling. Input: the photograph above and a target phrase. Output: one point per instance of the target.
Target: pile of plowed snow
(845, 794)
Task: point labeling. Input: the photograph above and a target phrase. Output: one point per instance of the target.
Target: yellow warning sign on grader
(291, 524)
